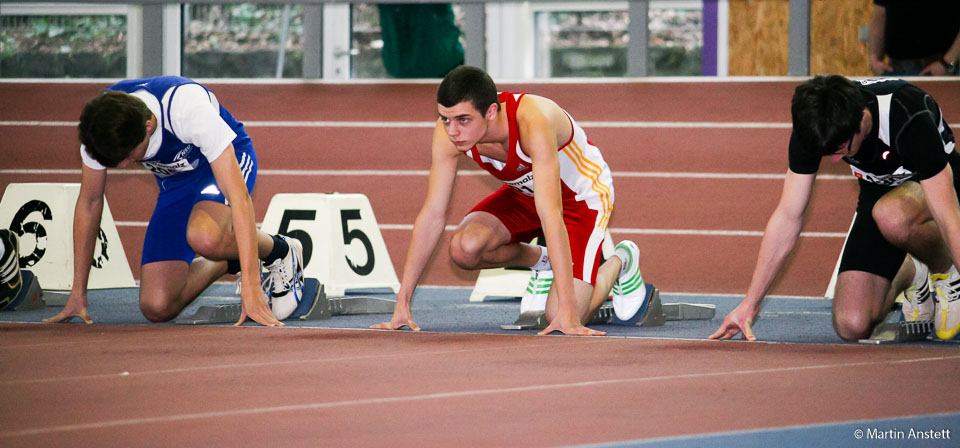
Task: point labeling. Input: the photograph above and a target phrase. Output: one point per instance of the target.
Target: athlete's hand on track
(401, 318)
(253, 304)
(740, 319)
(571, 327)
(73, 308)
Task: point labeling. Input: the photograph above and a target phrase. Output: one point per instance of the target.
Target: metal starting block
(656, 314)
(315, 305)
(897, 332)
(29, 296)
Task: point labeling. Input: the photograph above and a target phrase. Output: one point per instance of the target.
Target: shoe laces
(277, 275)
(948, 288)
(917, 294)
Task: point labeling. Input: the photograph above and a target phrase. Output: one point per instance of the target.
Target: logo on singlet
(894, 179)
(179, 164)
(524, 184)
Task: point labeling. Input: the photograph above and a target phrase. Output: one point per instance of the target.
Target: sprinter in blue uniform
(205, 165)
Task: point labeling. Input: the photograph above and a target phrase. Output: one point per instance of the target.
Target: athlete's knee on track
(852, 326)
(156, 309)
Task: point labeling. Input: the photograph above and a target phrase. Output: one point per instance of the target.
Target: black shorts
(866, 248)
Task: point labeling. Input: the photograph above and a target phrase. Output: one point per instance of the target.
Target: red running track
(654, 198)
(64, 385)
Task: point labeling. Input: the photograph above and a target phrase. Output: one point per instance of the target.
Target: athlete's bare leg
(862, 300)
(481, 241)
(905, 221)
(167, 287)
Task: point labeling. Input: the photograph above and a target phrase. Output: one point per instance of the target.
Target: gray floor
(449, 310)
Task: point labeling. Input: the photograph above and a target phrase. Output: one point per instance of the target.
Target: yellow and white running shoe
(946, 318)
(917, 299)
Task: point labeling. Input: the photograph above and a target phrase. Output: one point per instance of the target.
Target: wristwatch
(950, 67)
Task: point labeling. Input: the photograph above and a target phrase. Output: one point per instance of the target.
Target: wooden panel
(758, 40)
(835, 45)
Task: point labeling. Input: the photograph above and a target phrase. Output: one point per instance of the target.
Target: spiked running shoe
(917, 303)
(535, 296)
(629, 292)
(284, 283)
(946, 319)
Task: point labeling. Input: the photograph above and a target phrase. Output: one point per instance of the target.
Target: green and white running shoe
(630, 292)
(535, 296)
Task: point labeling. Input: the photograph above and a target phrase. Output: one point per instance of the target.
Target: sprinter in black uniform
(899, 147)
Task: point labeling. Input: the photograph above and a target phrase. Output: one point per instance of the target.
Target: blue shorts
(166, 238)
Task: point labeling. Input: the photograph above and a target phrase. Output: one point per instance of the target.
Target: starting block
(314, 306)
(894, 331)
(30, 295)
(657, 314)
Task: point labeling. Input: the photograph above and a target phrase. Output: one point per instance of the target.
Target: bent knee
(897, 215)
(852, 327)
(207, 245)
(465, 250)
(158, 311)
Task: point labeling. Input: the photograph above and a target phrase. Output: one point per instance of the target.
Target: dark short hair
(111, 125)
(827, 111)
(466, 83)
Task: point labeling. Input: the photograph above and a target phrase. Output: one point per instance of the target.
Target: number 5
(304, 237)
(356, 234)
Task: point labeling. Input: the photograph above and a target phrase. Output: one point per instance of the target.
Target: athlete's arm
(877, 23)
(428, 227)
(86, 224)
(781, 234)
(538, 121)
(942, 201)
(226, 171)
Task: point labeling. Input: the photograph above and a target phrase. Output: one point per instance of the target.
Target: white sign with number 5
(342, 244)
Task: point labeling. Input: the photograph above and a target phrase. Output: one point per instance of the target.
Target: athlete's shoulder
(882, 86)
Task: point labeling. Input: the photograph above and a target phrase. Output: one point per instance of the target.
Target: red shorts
(519, 214)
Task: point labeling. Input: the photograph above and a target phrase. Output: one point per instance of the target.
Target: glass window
(594, 43)
(242, 40)
(582, 43)
(676, 41)
(63, 46)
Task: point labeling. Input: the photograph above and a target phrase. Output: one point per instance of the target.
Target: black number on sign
(356, 234)
(40, 234)
(304, 237)
(99, 260)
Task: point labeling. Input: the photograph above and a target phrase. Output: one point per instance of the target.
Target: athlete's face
(140, 150)
(464, 124)
(852, 146)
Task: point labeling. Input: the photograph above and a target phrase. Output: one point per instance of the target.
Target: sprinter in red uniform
(523, 140)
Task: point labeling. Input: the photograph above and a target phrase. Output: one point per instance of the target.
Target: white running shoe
(629, 293)
(917, 303)
(10, 281)
(946, 319)
(538, 288)
(284, 282)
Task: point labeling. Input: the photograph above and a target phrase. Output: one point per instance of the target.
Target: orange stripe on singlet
(591, 171)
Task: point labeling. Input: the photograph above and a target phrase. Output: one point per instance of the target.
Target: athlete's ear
(492, 111)
(151, 124)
